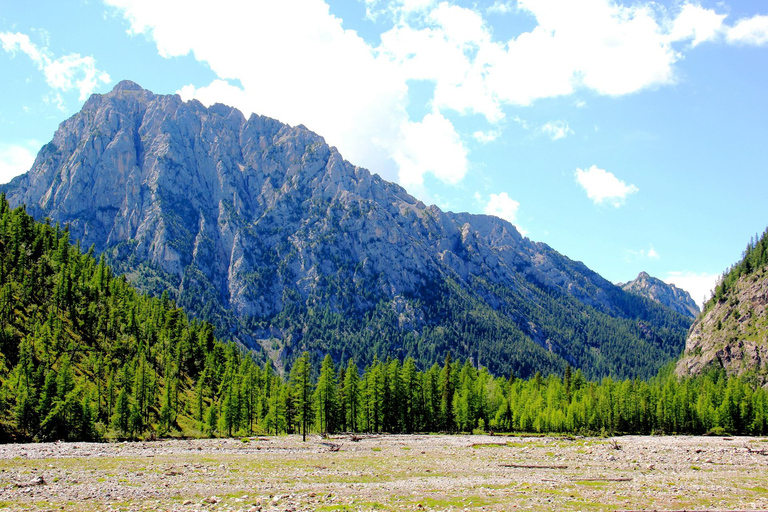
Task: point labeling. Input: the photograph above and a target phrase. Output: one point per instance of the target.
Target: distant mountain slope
(667, 294)
(267, 232)
(732, 331)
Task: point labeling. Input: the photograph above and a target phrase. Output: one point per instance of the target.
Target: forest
(83, 356)
(754, 258)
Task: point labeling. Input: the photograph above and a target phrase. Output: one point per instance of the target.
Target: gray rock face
(243, 217)
(732, 334)
(667, 294)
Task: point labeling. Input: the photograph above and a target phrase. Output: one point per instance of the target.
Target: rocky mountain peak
(127, 85)
(667, 294)
(267, 232)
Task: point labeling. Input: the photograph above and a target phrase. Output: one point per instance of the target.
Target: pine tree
(300, 376)
(352, 395)
(446, 394)
(122, 418)
(325, 396)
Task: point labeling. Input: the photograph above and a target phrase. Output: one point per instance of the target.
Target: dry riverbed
(390, 473)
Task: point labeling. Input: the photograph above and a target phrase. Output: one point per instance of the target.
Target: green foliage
(754, 258)
(82, 354)
(530, 330)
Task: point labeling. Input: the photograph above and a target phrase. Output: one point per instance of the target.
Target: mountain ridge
(666, 294)
(267, 232)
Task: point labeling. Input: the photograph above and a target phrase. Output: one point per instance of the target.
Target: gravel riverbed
(413, 472)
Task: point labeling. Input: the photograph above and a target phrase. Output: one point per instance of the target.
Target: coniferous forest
(83, 356)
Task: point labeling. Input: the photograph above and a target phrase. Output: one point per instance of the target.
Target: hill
(657, 290)
(83, 355)
(732, 331)
(268, 233)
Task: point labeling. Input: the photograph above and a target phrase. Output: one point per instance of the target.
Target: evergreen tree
(300, 376)
(352, 395)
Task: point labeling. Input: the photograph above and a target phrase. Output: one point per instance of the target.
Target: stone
(668, 295)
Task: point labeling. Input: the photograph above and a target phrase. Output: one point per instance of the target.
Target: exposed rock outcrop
(667, 294)
(732, 333)
(265, 230)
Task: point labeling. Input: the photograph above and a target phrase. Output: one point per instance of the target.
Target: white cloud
(699, 285)
(696, 23)
(500, 7)
(749, 31)
(503, 206)
(594, 44)
(430, 146)
(525, 125)
(603, 187)
(395, 8)
(487, 136)
(643, 254)
(65, 73)
(556, 130)
(16, 159)
(296, 62)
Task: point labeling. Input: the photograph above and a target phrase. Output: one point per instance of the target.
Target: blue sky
(628, 135)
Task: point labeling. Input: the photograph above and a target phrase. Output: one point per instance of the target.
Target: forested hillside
(754, 259)
(732, 331)
(84, 356)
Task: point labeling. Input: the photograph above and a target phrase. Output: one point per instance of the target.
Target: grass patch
(489, 445)
(371, 505)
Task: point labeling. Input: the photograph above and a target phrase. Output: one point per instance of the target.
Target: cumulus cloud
(603, 187)
(699, 285)
(65, 73)
(16, 159)
(431, 146)
(295, 61)
(697, 24)
(749, 31)
(556, 130)
(503, 206)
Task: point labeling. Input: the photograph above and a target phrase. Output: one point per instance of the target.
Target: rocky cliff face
(732, 333)
(667, 294)
(266, 231)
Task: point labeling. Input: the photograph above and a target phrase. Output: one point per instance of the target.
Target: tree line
(83, 356)
(753, 259)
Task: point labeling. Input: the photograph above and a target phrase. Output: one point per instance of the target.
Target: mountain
(732, 331)
(657, 290)
(267, 232)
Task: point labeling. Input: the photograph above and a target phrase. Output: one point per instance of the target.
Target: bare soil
(418, 472)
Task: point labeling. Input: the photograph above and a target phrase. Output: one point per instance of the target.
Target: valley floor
(420, 472)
